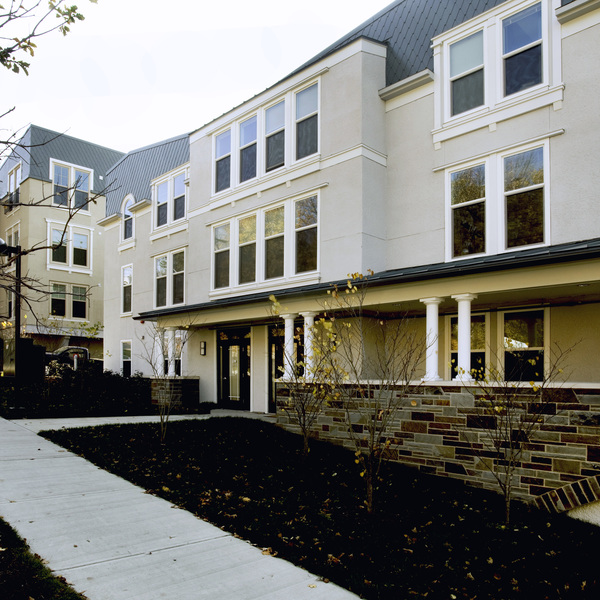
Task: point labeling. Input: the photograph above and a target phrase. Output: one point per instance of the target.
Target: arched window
(128, 219)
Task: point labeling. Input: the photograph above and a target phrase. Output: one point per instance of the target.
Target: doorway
(234, 369)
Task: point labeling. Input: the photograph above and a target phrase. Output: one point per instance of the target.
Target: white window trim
(130, 312)
(495, 207)
(69, 297)
(68, 240)
(121, 344)
(169, 288)
(500, 334)
(72, 180)
(448, 345)
(290, 141)
(496, 107)
(289, 278)
(169, 179)
(127, 242)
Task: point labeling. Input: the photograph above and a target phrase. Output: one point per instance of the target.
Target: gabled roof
(134, 172)
(38, 145)
(407, 27)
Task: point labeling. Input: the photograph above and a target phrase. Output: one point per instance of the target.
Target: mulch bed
(429, 537)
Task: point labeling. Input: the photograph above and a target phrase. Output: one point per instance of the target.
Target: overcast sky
(139, 71)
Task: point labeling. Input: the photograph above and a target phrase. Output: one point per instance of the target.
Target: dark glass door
(234, 369)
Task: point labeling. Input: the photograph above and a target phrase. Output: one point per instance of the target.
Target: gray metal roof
(134, 172)
(38, 145)
(407, 27)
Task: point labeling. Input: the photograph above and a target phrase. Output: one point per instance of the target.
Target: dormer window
(71, 186)
(170, 199)
(127, 220)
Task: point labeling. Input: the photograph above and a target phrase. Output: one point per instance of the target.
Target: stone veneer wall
(437, 430)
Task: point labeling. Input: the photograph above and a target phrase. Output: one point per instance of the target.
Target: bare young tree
(371, 363)
(509, 410)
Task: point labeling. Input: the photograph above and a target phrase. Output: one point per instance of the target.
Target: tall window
(59, 246)
(221, 249)
(307, 121)
(71, 186)
(524, 197)
(275, 136)
(170, 198)
(14, 181)
(80, 249)
(162, 203)
(522, 49)
(223, 164)
(79, 302)
(274, 242)
(126, 358)
(466, 73)
(248, 149)
(127, 220)
(58, 300)
(306, 216)
(247, 246)
(169, 273)
(524, 345)
(179, 197)
(127, 286)
(12, 235)
(467, 199)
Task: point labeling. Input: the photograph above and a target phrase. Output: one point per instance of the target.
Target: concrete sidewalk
(112, 541)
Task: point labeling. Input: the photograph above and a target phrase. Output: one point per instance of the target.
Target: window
(12, 235)
(14, 181)
(275, 136)
(273, 243)
(80, 249)
(126, 358)
(70, 247)
(307, 126)
(504, 62)
(170, 200)
(467, 199)
(466, 73)
(58, 300)
(524, 345)
(478, 345)
(306, 234)
(169, 272)
(522, 50)
(221, 249)
(247, 246)
(128, 220)
(10, 303)
(59, 246)
(71, 186)
(524, 196)
(248, 149)
(485, 218)
(126, 286)
(79, 302)
(223, 164)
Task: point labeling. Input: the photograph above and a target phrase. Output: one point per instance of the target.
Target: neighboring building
(451, 147)
(47, 185)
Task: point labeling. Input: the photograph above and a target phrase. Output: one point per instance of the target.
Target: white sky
(139, 71)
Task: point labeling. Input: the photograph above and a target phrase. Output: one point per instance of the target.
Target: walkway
(112, 541)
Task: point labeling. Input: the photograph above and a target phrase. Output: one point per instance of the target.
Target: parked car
(71, 355)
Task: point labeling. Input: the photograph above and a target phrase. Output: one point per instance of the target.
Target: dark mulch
(23, 576)
(429, 537)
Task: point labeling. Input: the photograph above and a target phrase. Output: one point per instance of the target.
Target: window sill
(511, 107)
(67, 269)
(168, 230)
(271, 284)
(500, 251)
(126, 245)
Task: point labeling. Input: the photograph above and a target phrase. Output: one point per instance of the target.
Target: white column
(171, 350)
(432, 338)
(464, 336)
(158, 358)
(309, 359)
(289, 358)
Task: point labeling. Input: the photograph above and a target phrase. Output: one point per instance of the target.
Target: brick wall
(441, 431)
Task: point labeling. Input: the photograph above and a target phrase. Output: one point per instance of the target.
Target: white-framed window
(507, 56)
(278, 135)
(524, 343)
(69, 301)
(10, 304)
(126, 358)
(71, 185)
(276, 243)
(13, 236)
(127, 224)
(70, 247)
(14, 183)
(170, 204)
(169, 279)
(479, 344)
(499, 203)
(126, 289)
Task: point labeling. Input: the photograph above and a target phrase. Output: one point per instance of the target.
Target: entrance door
(234, 369)
(277, 360)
